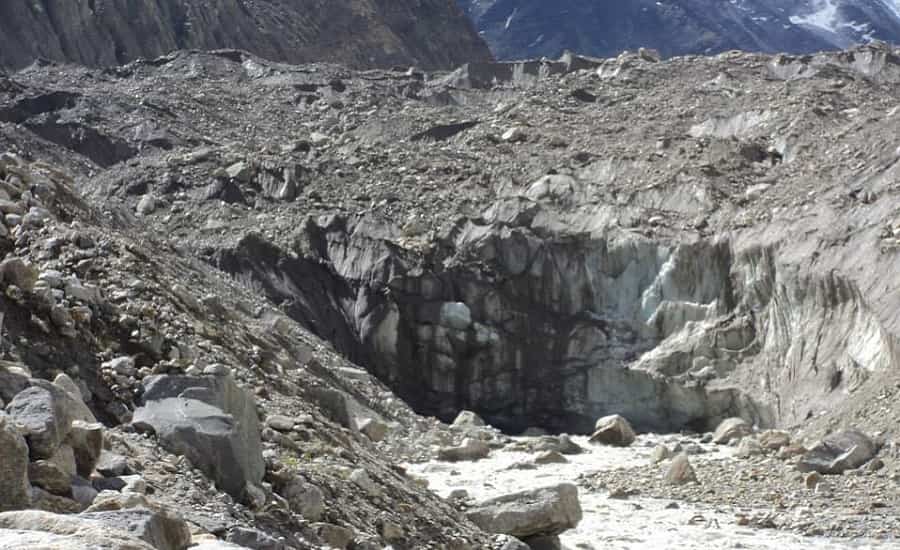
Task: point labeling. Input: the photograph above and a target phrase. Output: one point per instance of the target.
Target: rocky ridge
(360, 33)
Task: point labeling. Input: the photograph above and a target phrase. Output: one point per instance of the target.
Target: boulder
(468, 419)
(160, 530)
(335, 536)
(731, 429)
(660, 453)
(749, 447)
(50, 477)
(551, 457)
(253, 538)
(46, 412)
(774, 440)
(471, 449)
(86, 440)
(305, 499)
(15, 271)
(374, 429)
(680, 471)
(212, 422)
(13, 467)
(838, 452)
(110, 464)
(546, 511)
(613, 430)
(568, 447)
(12, 382)
(45, 530)
(56, 504)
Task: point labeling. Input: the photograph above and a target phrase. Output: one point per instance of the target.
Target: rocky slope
(211, 245)
(519, 29)
(361, 33)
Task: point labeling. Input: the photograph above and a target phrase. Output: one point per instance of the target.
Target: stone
(514, 135)
(660, 453)
(162, 531)
(12, 382)
(14, 488)
(49, 531)
(146, 206)
(455, 315)
(123, 365)
(86, 440)
(209, 420)
(110, 464)
(468, 419)
(749, 447)
(65, 382)
(280, 423)
(50, 477)
(48, 502)
(838, 452)
(241, 171)
(106, 501)
(568, 447)
(544, 543)
(774, 440)
(469, 450)
(305, 499)
(613, 430)
(46, 412)
(374, 429)
(361, 479)
(511, 543)
(83, 492)
(253, 539)
(390, 531)
(731, 429)
(551, 457)
(335, 536)
(15, 271)
(545, 511)
(812, 479)
(680, 471)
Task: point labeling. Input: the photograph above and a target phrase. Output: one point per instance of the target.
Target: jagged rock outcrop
(547, 511)
(361, 33)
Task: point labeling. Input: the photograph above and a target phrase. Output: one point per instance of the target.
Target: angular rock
(749, 447)
(546, 511)
(470, 449)
(550, 457)
(14, 487)
(568, 447)
(46, 530)
(680, 471)
(253, 539)
(65, 382)
(774, 440)
(660, 453)
(86, 440)
(50, 477)
(305, 499)
(731, 429)
(280, 423)
(209, 420)
(838, 452)
(374, 429)
(111, 464)
(468, 419)
(160, 530)
(46, 413)
(334, 536)
(613, 430)
(12, 382)
(15, 271)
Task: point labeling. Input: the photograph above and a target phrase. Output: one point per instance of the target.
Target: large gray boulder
(838, 452)
(209, 420)
(546, 511)
(48, 531)
(14, 490)
(613, 430)
(470, 449)
(160, 530)
(731, 429)
(46, 413)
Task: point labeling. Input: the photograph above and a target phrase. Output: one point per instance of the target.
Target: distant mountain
(359, 33)
(517, 29)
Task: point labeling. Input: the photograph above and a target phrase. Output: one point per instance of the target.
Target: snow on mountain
(535, 28)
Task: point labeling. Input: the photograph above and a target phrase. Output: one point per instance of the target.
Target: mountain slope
(359, 33)
(517, 29)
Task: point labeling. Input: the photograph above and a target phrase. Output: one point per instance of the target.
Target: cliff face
(359, 33)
